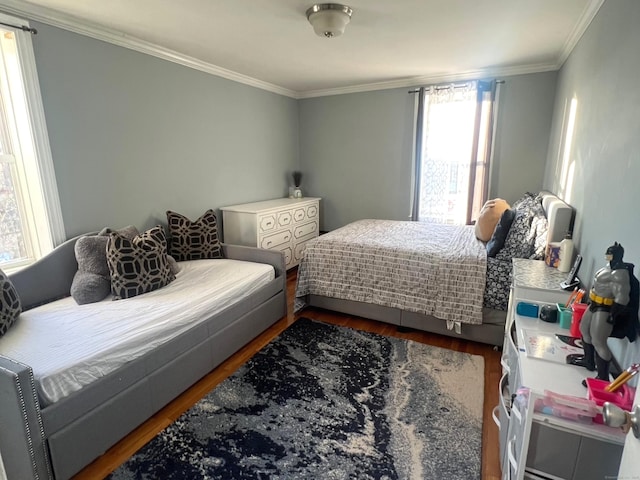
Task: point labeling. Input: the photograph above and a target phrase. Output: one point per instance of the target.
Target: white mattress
(68, 345)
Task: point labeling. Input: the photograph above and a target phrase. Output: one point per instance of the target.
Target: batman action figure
(612, 312)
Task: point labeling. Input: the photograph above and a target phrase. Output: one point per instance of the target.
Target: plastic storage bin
(578, 310)
(564, 316)
(623, 397)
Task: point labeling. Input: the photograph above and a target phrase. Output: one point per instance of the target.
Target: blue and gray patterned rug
(328, 402)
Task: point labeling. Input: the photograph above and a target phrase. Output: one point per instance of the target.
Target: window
(30, 216)
(453, 148)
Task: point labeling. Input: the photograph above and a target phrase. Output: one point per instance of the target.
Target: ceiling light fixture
(329, 19)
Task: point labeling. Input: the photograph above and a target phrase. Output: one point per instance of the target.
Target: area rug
(329, 402)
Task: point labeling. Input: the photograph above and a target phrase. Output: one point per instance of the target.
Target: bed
(431, 277)
(75, 379)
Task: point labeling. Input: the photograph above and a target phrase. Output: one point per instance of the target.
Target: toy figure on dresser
(612, 312)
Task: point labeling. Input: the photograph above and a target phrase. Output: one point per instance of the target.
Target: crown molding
(86, 28)
(585, 20)
(89, 29)
(432, 80)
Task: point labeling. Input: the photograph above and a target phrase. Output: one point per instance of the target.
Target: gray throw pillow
(174, 266)
(92, 281)
(89, 287)
(10, 306)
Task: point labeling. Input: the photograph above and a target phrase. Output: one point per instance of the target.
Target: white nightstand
(534, 445)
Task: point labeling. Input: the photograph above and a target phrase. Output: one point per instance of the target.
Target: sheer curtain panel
(453, 150)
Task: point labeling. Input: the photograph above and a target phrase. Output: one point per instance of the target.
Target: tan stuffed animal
(490, 214)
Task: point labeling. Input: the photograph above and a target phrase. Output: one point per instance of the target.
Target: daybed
(51, 432)
(426, 276)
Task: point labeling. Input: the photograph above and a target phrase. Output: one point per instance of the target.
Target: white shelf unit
(534, 445)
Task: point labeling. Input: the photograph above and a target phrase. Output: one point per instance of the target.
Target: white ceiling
(389, 43)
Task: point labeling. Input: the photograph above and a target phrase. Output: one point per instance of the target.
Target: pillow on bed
(539, 230)
(527, 235)
(489, 217)
(92, 281)
(527, 201)
(138, 265)
(194, 240)
(518, 244)
(500, 233)
(10, 306)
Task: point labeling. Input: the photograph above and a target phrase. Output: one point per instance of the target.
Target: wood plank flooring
(120, 452)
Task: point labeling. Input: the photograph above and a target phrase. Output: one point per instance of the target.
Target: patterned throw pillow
(138, 265)
(527, 235)
(194, 240)
(538, 233)
(10, 306)
(527, 201)
(518, 242)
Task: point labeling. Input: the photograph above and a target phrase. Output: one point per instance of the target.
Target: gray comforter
(421, 267)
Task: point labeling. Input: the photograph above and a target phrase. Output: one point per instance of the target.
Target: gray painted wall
(132, 135)
(356, 155)
(357, 149)
(602, 75)
(522, 134)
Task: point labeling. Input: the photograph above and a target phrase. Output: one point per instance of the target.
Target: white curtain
(446, 149)
(453, 151)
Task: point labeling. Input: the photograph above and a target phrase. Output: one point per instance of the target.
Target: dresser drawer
(312, 211)
(267, 222)
(305, 230)
(288, 254)
(276, 239)
(298, 250)
(299, 214)
(287, 251)
(284, 219)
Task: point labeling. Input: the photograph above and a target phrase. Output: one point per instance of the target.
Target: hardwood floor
(120, 452)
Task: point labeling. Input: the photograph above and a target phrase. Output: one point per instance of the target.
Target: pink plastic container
(623, 397)
(578, 311)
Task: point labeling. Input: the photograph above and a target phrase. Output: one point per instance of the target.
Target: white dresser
(534, 445)
(284, 224)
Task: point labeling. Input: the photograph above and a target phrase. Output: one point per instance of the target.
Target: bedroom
(106, 115)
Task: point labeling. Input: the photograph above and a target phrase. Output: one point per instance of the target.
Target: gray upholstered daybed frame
(559, 215)
(58, 440)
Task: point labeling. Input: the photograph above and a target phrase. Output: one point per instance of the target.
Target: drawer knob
(614, 416)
